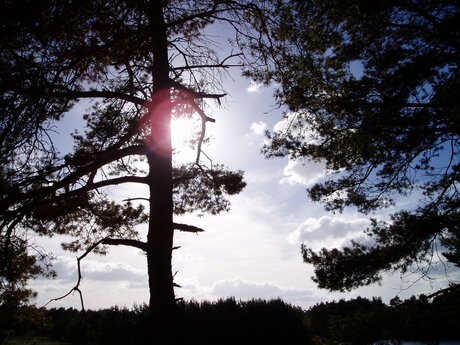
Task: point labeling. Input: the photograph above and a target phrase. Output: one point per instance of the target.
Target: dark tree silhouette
(221, 322)
(138, 64)
(373, 93)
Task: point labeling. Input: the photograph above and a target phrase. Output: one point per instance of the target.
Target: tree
(373, 92)
(137, 65)
(17, 266)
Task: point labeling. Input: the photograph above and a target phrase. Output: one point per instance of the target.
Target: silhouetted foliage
(221, 322)
(355, 322)
(373, 92)
(135, 65)
(362, 321)
(17, 266)
(23, 320)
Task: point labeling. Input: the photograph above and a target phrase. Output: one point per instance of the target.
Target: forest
(365, 99)
(355, 321)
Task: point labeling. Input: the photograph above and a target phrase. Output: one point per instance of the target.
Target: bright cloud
(328, 231)
(284, 124)
(242, 289)
(66, 268)
(302, 173)
(254, 87)
(298, 171)
(297, 124)
(259, 128)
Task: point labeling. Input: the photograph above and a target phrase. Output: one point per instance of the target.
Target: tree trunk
(159, 252)
(160, 231)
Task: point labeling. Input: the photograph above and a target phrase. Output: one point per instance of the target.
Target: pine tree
(138, 64)
(373, 93)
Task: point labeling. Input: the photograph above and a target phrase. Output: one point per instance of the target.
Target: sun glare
(182, 131)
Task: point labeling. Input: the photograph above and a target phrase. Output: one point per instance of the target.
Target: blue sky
(253, 251)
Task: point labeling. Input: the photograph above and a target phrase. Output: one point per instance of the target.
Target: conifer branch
(76, 94)
(101, 160)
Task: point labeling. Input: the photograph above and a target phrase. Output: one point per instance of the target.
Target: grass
(31, 340)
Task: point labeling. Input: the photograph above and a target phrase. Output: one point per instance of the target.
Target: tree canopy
(135, 66)
(373, 93)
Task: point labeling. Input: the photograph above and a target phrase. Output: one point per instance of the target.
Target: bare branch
(221, 64)
(110, 241)
(125, 242)
(195, 95)
(187, 228)
(200, 142)
(77, 285)
(134, 199)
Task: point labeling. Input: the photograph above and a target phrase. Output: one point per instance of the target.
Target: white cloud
(328, 231)
(299, 171)
(259, 128)
(254, 87)
(296, 124)
(242, 289)
(113, 271)
(187, 258)
(284, 124)
(306, 174)
(66, 268)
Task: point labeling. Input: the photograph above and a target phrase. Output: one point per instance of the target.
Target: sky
(252, 251)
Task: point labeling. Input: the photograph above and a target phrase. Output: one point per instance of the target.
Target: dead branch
(125, 242)
(187, 228)
(192, 94)
(221, 64)
(136, 199)
(106, 240)
(200, 141)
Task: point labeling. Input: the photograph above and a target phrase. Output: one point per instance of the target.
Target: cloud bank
(327, 231)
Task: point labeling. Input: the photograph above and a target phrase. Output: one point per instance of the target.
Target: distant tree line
(222, 322)
(354, 322)
(363, 321)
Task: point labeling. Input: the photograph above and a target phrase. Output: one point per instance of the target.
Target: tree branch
(76, 287)
(439, 292)
(200, 15)
(110, 241)
(187, 228)
(74, 94)
(125, 242)
(105, 158)
(222, 64)
(192, 95)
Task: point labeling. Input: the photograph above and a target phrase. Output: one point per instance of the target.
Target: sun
(183, 130)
